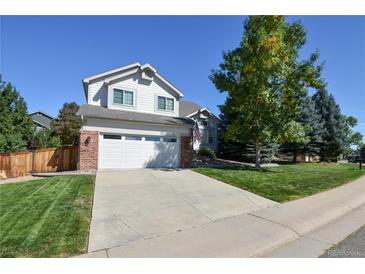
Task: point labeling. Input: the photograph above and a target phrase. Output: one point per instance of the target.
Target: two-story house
(132, 119)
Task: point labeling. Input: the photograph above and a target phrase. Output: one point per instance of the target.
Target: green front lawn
(286, 182)
(45, 218)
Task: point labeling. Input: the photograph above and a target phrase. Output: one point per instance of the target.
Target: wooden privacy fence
(41, 160)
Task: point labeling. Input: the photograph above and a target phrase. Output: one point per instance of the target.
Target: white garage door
(136, 151)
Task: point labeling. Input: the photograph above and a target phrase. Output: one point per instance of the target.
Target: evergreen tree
(238, 151)
(67, 125)
(16, 126)
(313, 126)
(263, 80)
(335, 134)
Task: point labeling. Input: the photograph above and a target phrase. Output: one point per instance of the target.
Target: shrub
(207, 152)
(44, 138)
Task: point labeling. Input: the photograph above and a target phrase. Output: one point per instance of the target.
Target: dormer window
(165, 103)
(123, 97)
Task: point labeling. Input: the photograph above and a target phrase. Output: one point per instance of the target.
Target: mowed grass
(45, 218)
(286, 182)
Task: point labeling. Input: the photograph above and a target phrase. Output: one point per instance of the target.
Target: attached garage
(138, 151)
(122, 140)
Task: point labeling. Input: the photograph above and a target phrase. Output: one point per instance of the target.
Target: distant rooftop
(42, 119)
(187, 107)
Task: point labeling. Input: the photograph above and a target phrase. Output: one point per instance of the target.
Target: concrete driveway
(136, 205)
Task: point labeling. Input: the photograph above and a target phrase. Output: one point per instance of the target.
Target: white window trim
(112, 105)
(164, 110)
(124, 90)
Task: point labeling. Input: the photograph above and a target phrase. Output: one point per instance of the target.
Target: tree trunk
(258, 154)
(294, 160)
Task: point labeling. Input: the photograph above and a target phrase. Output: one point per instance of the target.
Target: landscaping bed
(47, 217)
(286, 182)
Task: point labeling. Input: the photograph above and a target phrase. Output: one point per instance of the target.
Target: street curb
(317, 242)
(311, 213)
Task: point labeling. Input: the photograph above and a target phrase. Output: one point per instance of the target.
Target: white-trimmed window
(165, 103)
(123, 97)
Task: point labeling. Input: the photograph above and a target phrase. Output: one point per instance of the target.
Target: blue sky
(46, 57)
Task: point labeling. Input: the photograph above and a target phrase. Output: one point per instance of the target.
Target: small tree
(44, 138)
(15, 125)
(67, 125)
(264, 81)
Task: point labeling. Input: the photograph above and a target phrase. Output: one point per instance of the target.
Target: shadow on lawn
(286, 163)
(242, 168)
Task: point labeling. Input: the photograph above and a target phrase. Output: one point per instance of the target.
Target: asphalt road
(351, 247)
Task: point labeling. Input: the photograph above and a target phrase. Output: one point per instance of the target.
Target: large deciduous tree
(16, 126)
(264, 80)
(238, 150)
(67, 125)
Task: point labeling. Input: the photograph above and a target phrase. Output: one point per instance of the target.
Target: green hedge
(207, 152)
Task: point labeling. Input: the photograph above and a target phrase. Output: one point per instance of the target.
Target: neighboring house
(132, 120)
(300, 158)
(41, 120)
(207, 124)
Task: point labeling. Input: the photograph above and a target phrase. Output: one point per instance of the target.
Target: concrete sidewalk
(301, 228)
(316, 242)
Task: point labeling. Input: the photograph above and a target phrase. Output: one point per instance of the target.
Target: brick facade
(88, 150)
(186, 151)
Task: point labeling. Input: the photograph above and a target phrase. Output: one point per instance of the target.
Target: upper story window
(165, 103)
(123, 97)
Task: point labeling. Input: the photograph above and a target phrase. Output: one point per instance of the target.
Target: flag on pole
(196, 133)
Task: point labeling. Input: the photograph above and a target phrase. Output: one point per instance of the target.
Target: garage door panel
(111, 153)
(135, 153)
(165, 155)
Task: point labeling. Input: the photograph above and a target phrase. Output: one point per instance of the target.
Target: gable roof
(186, 108)
(189, 109)
(132, 116)
(43, 113)
(41, 118)
(123, 71)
